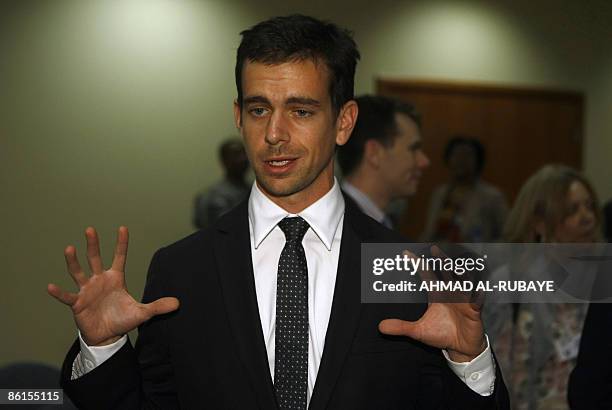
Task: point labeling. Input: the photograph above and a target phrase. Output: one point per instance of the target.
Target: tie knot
(294, 228)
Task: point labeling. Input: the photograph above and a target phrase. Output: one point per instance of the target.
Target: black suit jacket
(590, 384)
(211, 352)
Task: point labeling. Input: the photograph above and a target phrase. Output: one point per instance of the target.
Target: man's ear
(373, 153)
(346, 122)
(237, 115)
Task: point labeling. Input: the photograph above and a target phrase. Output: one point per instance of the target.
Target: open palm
(103, 309)
(455, 326)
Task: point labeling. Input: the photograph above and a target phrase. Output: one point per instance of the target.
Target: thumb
(161, 306)
(398, 327)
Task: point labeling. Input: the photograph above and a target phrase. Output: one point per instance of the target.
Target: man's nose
(276, 131)
(423, 160)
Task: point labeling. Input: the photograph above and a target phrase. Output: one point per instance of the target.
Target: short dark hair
(471, 142)
(376, 121)
(297, 38)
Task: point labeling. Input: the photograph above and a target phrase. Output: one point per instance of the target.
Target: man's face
(463, 162)
(290, 130)
(404, 161)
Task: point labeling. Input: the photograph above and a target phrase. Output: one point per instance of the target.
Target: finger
(74, 267)
(161, 306)
(426, 276)
(478, 300)
(437, 252)
(121, 248)
(93, 251)
(398, 327)
(447, 276)
(66, 298)
(423, 274)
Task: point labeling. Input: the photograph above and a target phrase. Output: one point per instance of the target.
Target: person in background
(590, 384)
(537, 343)
(228, 192)
(607, 212)
(384, 159)
(466, 209)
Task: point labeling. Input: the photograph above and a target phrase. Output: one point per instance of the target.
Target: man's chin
(278, 187)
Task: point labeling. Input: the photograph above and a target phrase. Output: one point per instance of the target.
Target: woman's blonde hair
(543, 199)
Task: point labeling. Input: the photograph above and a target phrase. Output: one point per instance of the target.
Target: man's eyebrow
(255, 99)
(289, 101)
(303, 101)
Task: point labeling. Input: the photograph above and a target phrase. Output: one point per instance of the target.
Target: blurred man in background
(384, 158)
(228, 192)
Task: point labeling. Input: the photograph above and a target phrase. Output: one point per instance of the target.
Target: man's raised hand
(103, 309)
(452, 321)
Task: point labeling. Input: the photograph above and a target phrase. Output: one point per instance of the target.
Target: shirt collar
(323, 216)
(364, 202)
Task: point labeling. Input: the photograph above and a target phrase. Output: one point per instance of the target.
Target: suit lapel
(235, 267)
(346, 310)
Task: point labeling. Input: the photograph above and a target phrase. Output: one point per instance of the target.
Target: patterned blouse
(537, 351)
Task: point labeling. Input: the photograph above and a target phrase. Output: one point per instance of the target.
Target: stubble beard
(284, 186)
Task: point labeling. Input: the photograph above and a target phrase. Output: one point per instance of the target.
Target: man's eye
(258, 112)
(302, 113)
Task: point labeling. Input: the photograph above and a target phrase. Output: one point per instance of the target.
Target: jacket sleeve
(440, 388)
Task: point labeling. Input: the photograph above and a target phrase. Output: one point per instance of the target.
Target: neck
(369, 184)
(465, 181)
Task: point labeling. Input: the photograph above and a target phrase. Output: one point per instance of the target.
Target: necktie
(291, 337)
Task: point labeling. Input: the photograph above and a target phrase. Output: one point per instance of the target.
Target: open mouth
(279, 163)
(280, 166)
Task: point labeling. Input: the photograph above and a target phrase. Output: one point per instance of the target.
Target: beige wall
(598, 147)
(110, 113)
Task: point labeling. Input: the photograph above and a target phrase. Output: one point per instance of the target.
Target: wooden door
(521, 129)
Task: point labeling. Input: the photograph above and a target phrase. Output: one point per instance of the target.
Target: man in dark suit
(384, 159)
(270, 313)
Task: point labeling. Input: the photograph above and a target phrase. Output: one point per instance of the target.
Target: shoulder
(368, 229)
(200, 244)
(489, 190)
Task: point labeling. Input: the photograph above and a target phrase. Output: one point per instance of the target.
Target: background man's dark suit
(211, 353)
(590, 384)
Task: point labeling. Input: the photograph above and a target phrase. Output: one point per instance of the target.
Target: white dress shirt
(322, 248)
(366, 204)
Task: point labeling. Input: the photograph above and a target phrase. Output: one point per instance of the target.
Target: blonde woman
(556, 205)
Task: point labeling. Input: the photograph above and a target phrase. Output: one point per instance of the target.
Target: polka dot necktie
(291, 345)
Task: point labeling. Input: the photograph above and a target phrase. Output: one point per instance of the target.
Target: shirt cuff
(478, 374)
(91, 357)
